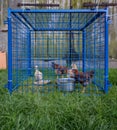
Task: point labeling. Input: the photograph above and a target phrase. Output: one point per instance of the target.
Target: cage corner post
(106, 52)
(9, 51)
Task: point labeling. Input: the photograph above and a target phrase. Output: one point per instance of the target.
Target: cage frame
(106, 66)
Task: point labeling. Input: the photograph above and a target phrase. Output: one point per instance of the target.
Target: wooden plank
(103, 4)
(34, 4)
(3, 64)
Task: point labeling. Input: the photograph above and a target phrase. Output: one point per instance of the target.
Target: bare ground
(113, 63)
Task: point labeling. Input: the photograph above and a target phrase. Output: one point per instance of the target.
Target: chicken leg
(83, 90)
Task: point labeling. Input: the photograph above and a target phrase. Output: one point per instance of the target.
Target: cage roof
(57, 20)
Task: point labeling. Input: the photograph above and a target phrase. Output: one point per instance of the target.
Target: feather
(59, 69)
(83, 78)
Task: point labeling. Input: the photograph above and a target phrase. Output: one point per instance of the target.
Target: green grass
(57, 111)
(113, 76)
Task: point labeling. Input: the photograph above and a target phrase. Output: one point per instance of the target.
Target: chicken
(59, 70)
(84, 78)
(38, 75)
(74, 66)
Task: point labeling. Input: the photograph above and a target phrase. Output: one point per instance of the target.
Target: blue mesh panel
(41, 37)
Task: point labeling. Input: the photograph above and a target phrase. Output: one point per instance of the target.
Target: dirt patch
(113, 63)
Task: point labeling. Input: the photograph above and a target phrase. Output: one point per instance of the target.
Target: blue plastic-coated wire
(9, 51)
(40, 37)
(83, 50)
(106, 53)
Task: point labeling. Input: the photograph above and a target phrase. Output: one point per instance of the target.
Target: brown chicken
(59, 70)
(84, 78)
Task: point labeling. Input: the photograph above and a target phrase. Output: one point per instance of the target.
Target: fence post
(106, 52)
(9, 51)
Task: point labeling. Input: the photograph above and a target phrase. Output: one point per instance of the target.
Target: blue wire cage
(41, 37)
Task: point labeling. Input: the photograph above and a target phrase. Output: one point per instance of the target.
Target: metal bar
(34, 4)
(106, 53)
(92, 20)
(17, 54)
(83, 49)
(23, 59)
(58, 29)
(58, 11)
(5, 22)
(70, 42)
(94, 40)
(20, 20)
(104, 4)
(9, 51)
(26, 20)
(70, 38)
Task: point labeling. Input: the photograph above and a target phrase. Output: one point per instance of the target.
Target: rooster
(84, 78)
(59, 70)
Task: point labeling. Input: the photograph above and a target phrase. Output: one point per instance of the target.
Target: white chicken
(74, 66)
(38, 75)
(69, 72)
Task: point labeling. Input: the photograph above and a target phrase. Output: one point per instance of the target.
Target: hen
(74, 66)
(84, 78)
(59, 69)
(69, 71)
(38, 75)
